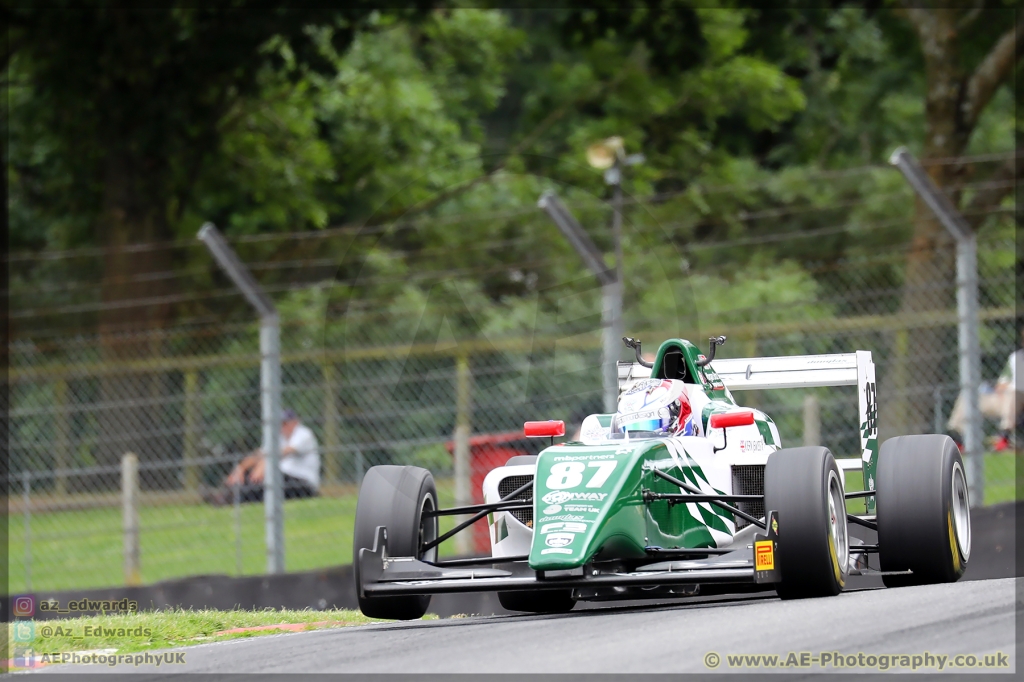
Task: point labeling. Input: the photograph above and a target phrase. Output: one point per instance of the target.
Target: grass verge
(81, 549)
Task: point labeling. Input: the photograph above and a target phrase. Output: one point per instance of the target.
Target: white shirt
(1009, 374)
(304, 463)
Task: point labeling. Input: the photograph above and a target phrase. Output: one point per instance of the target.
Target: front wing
(382, 575)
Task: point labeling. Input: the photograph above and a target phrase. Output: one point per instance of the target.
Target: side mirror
(549, 429)
(723, 421)
(716, 341)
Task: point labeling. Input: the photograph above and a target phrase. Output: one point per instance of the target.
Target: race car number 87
(570, 474)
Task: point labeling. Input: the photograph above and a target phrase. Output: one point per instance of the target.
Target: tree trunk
(927, 357)
(135, 310)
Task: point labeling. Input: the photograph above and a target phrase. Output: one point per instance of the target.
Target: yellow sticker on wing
(764, 556)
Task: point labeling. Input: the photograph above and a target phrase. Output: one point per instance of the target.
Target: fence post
(332, 452)
(26, 501)
(463, 406)
(236, 503)
(130, 513)
(191, 429)
(270, 390)
(611, 289)
(967, 311)
(63, 429)
(812, 420)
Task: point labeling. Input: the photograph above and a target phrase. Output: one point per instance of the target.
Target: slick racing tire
(922, 510)
(541, 601)
(395, 497)
(805, 487)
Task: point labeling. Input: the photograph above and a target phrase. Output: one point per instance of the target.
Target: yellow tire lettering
(954, 548)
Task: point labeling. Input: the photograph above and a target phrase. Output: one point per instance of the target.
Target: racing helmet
(654, 405)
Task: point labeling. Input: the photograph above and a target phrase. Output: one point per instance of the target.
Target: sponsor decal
(556, 550)
(764, 556)
(775, 525)
(583, 458)
(566, 527)
(559, 539)
(580, 508)
(562, 517)
(871, 398)
(562, 496)
(752, 445)
(552, 509)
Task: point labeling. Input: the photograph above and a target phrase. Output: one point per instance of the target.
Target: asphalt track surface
(975, 617)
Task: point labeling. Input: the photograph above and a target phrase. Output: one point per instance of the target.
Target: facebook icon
(24, 658)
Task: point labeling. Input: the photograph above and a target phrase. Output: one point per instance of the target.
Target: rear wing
(797, 371)
(801, 371)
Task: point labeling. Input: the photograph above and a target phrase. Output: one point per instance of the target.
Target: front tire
(805, 487)
(395, 497)
(922, 510)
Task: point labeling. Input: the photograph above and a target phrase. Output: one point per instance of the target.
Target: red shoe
(1001, 444)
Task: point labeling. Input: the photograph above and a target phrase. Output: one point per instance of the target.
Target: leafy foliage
(438, 129)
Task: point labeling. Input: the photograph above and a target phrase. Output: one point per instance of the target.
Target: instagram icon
(24, 607)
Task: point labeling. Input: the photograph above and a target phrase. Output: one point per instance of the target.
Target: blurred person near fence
(1003, 403)
(300, 467)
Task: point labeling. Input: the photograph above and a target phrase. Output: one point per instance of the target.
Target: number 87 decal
(570, 474)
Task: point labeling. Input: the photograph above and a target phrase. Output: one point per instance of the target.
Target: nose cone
(586, 497)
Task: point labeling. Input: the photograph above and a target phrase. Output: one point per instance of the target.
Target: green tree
(969, 53)
(132, 100)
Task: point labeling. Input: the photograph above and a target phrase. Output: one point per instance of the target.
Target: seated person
(300, 467)
(659, 406)
(1004, 403)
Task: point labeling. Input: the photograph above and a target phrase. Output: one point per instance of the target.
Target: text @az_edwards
(93, 631)
(90, 605)
(835, 660)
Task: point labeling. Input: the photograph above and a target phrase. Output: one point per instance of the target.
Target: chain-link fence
(379, 386)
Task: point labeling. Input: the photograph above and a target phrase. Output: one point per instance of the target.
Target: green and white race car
(680, 491)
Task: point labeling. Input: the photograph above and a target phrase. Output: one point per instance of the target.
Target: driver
(655, 405)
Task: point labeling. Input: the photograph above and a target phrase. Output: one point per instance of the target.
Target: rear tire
(922, 510)
(542, 601)
(805, 487)
(395, 497)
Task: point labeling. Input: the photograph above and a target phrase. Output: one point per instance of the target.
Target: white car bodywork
(720, 456)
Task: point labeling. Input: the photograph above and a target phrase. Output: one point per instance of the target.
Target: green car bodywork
(588, 500)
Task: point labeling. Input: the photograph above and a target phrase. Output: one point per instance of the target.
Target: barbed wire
(442, 274)
(367, 230)
(274, 266)
(361, 309)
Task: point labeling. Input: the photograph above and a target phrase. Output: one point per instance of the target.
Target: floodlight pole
(270, 389)
(611, 289)
(967, 311)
